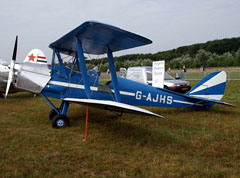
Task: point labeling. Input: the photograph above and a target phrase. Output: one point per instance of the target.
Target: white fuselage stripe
(185, 102)
(213, 97)
(82, 87)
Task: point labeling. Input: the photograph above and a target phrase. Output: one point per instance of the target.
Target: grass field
(186, 143)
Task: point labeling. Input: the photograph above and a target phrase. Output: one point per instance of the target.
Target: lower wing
(113, 106)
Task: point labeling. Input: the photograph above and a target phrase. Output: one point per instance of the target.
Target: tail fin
(36, 56)
(210, 87)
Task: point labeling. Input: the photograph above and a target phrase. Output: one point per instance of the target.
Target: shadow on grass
(149, 131)
(226, 110)
(130, 127)
(20, 95)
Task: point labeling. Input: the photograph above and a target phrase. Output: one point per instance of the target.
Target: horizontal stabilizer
(113, 106)
(96, 37)
(208, 102)
(224, 103)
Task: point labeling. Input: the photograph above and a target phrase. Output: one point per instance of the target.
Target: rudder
(36, 56)
(210, 87)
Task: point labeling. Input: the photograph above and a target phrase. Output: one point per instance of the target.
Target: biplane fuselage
(131, 92)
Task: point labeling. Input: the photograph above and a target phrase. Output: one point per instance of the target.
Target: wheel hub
(60, 123)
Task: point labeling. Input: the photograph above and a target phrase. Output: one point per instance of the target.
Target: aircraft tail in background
(36, 56)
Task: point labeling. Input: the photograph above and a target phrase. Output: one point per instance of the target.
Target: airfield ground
(186, 143)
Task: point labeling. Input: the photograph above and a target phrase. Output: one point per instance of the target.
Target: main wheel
(60, 121)
(52, 113)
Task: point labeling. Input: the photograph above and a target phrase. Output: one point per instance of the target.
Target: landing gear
(60, 121)
(52, 113)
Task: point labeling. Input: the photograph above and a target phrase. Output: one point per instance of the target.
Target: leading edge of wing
(96, 37)
(112, 105)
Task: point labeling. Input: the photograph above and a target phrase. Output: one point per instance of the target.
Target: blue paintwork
(51, 104)
(217, 89)
(143, 95)
(113, 75)
(83, 68)
(64, 107)
(146, 95)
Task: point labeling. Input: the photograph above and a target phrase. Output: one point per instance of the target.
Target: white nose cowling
(10, 75)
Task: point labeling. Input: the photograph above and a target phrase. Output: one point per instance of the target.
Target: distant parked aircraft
(34, 56)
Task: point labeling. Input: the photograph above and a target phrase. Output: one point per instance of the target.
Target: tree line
(217, 53)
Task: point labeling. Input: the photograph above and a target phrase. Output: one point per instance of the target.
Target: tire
(52, 113)
(60, 121)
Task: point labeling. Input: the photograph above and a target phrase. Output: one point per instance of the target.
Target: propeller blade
(15, 49)
(10, 78)
(10, 75)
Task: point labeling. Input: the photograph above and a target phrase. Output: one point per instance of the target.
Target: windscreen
(149, 75)
(168, 77)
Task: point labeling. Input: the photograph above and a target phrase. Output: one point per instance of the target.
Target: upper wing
(96, 37)
(113, 106)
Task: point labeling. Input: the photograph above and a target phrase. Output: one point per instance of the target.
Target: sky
(168, 23)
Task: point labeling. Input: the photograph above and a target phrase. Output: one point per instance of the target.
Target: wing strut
(61, 64)
(53, 59)
(83, 67)
(54, 54)
(113, 75)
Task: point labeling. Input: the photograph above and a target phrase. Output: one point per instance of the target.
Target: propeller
(10, 75)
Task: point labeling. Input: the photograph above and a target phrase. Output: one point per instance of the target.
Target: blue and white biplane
(77, 85)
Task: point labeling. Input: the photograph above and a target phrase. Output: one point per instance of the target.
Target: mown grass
(187, 143)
